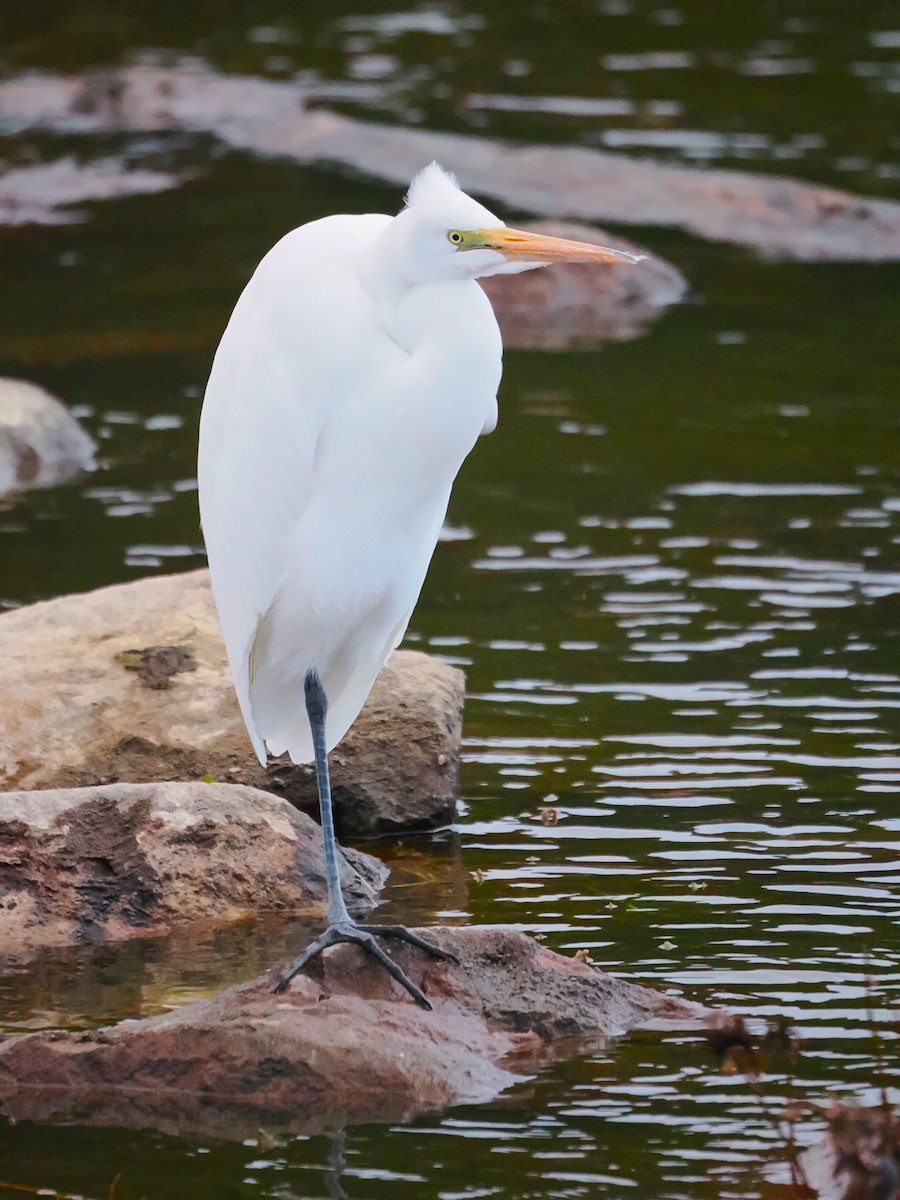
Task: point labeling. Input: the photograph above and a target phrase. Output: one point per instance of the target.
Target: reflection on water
(671, 576)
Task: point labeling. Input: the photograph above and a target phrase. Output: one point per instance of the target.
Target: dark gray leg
(341, 926)
(317, 708)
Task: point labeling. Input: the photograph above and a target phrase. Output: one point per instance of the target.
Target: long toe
(322, 942)
(402, 934)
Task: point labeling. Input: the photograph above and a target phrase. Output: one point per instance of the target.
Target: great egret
(358, 369)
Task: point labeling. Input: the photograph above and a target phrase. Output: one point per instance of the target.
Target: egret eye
(455, 237)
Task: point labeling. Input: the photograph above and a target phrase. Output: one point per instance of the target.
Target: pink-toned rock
(137, 860)
(343, 1044)
(567, 306)
(131, 683)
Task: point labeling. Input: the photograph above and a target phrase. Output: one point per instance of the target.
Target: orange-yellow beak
(519, 246)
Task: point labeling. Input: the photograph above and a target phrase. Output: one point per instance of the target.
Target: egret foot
(342, 927)
(363, 936)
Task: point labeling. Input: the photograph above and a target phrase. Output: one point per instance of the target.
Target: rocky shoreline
(343, 1044)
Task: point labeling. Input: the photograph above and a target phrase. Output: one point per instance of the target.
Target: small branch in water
(739, 1051)
(863, 1144)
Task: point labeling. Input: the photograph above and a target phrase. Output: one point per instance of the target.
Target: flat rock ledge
(131, 682)
(344, 1044)
(137, 860)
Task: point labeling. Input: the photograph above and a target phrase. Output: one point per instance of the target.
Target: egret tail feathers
(280, 719)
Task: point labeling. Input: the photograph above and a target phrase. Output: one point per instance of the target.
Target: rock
(564, 306)
(343, 1044)
(130, 860)
(779, 217)
(131, 683)
(41, 443)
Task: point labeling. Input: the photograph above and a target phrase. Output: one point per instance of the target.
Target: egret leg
(341, 926)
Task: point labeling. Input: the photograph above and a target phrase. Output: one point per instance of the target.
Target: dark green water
(671, 575)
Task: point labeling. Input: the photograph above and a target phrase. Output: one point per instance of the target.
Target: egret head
(448, 235)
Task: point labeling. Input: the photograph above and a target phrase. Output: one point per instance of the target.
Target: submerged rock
(131, 860)
(41, 443)
(571, 306)
(131, 683)
(343, 1044)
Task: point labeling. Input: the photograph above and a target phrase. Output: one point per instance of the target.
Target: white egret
(357, 371)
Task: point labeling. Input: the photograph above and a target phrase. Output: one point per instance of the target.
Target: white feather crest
(431, 182)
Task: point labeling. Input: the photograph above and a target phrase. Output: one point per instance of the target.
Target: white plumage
(358, 369)
(332, 429)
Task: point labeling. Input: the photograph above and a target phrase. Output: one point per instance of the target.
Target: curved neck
(384, 272)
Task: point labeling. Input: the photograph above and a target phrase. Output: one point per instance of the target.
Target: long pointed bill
(519, 246)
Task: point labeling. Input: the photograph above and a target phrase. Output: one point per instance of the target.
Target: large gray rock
(779, 217)
(41, 443)
(344, 1043)
(131, 683)
(137, 860)
(567, 306)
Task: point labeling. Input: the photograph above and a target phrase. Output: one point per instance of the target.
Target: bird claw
(363, 936)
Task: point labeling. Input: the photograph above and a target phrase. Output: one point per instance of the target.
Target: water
(671, 576)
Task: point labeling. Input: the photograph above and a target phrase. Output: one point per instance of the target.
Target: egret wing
(300, 336)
